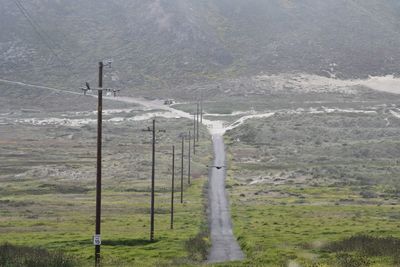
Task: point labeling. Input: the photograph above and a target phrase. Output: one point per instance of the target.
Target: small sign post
(97, 240)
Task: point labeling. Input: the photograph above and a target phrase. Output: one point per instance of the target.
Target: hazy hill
(161, 43)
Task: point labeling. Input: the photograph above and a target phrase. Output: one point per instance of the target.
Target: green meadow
(314, 190)
(47, 198)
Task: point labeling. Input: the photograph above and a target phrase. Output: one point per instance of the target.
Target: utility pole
(100, 89)
(153, 167)
(183, 144)
(198, 121)
(194, 133)
(173, 187)
(98, 176)
(153, 182)
(189, 171)
(201, 108)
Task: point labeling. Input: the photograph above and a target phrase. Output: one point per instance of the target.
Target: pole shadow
(128, 242)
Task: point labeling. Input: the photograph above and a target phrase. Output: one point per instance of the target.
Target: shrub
(198, 246)
(367, 246)
(21, 256)
(349, 260)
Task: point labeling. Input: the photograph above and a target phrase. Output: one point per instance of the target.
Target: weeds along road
(224, 245)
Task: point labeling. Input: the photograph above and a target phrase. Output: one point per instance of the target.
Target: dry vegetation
(47, 177)
(317, 188)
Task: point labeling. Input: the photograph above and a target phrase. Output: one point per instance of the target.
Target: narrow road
(224, 245)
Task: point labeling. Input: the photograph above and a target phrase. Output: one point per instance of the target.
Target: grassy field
(314, 185)
(47, 195)
(316, 189)
(261, 97)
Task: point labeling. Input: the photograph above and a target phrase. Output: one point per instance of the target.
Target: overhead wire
(36, 29)
(45, 38)
(52, 46)
(38, 26)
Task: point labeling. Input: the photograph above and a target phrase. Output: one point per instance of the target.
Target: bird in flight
(217, 167)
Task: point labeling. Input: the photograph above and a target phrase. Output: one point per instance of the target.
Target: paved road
(224, 245)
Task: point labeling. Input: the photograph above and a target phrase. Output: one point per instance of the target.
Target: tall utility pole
(189, 171)
(153, 167)
(100, 89)
(153, 182)
(173, 187)
(183, 145)
(194, 133)
(201, 108)
(198, 121)
(97, 239)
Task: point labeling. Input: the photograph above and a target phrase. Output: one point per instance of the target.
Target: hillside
(164, 43)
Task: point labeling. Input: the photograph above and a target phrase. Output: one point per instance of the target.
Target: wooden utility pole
(183, 144)
(201, 108)
(153, 167)
(194, 134)
(189, 148)
(198, 121)
(97, 238)
(173, 187)
(153, 182)
(100, 89)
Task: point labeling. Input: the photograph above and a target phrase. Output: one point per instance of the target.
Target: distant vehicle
(169, 102)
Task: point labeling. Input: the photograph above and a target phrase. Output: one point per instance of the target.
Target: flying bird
(217, 167)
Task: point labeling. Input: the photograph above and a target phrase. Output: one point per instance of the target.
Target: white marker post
(97, 240)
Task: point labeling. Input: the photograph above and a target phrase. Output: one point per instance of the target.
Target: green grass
(295, 201)
(369, 246)
(20, 256)
(51, 204)
(277, 231)
(66, 222)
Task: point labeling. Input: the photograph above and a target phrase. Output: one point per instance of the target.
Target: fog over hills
(164, 43)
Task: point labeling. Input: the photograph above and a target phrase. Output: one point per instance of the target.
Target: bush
(20, 256)
(367, 246)
(348, 260)
(198, 246)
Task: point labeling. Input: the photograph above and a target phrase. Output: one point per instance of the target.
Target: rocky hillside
(164, 43)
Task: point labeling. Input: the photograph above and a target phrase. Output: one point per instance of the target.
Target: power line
(51, 44)
(38, 86)
(38, 25)
(35, 27)
(43, 35)
(45, 38)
